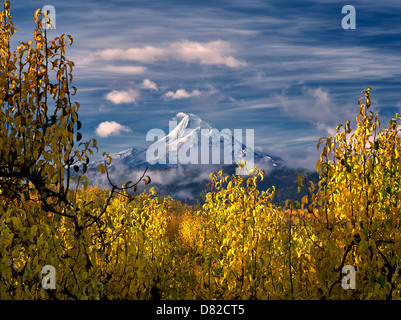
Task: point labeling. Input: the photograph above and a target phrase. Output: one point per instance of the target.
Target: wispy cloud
(131, 70)
(125, 96)
(107, 128)
(290, 76)
(145, 54)
(295, 157)
(331, 130)
(257, 106)
(216, 52)
(313, 105)
(212, 53)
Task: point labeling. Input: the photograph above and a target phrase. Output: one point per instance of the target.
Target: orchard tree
(41, 148)
(45, 216)
(355, 208)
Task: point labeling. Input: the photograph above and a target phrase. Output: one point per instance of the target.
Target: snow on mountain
(179, 163)
(191, 141)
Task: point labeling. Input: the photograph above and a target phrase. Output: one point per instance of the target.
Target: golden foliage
(238, 245)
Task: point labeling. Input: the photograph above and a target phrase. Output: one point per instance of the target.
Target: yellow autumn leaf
(37, 13)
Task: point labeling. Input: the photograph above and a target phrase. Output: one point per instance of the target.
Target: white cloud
(132, 94)
(331, 130)
(147, 84)
(145, 54)
(210, 53)
(317, 107)
(125, 69)
(258, 106)
(182, 94)
(108, 128)
(207, 53)
(127, 96)
(314, 105)
(295, 157)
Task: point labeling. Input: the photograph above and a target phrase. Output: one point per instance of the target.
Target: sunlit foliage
(111, 244)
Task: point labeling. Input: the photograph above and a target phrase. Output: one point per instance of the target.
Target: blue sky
(286, 69)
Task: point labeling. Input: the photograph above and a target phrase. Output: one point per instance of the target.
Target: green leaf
(300, 176)
(364, 230)
(381, 280)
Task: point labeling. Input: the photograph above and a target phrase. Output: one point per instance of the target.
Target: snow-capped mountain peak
(190, 134)
(188, 124)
